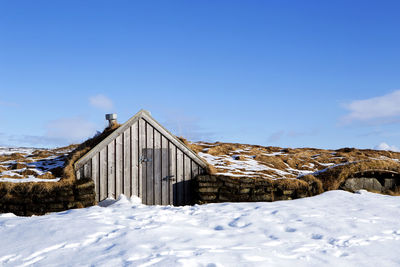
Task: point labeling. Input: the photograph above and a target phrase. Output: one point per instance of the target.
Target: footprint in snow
(238, 223)
(316, 236)
(273, 237)
(218, 228)
(290, 230)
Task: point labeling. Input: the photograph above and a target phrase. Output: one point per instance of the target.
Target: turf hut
(141, 158)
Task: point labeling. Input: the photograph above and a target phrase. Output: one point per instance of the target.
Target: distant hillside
(32, 164)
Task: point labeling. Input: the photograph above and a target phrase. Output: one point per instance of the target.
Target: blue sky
(281, 73)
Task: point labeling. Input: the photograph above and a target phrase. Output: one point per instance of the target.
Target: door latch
(144, 159)
(169, 178)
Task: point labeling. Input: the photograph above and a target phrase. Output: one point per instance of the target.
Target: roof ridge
(144, 114)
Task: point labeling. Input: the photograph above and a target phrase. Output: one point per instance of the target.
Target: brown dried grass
(290, 184)
(13, 156)
(41, 154)
(211, 169)
(17, 166)
(65, 148)
(276, 162)
(3, 168)
(310, 179)
(28, 172)
(47, 175)
(29, 188)
(193, 146)
(223, 149)
(12, 176)
(68, 175)
(300, 158)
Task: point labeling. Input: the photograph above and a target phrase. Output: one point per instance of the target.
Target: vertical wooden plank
(149, 165)
(157, 168)
(111, 169)
(103, 174)
(79, 173)
(135, 160)
(87, 170)
(195, 169)
(96, 175)
(172, 174)
(118, 166)
(142, 164)
(180, 192)
(127, 163)
(187, 180)
(164, 172)
(195, 172)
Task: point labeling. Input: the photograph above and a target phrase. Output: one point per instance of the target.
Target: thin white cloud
(35, 141)
(60, 132)
(72, 130)
(102, 102)
(385, 146)
(382, 108)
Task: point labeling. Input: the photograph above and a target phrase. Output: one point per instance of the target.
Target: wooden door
(157, 184)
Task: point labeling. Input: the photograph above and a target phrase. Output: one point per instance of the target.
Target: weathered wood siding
(142, 161)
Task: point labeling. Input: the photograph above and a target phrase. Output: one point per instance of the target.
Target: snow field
(336, 228)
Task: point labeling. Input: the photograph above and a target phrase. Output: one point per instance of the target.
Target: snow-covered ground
(336, 228)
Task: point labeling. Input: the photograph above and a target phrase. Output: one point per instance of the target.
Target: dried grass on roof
(347, 161)
(3, 168)
(290, 184)
(41, 154)
(18, 165)
(311, 180)
(65, 148)
(13, 176)
(27, 172)
(193, 146)
(13, 156)
(46, 175)
(81, 150)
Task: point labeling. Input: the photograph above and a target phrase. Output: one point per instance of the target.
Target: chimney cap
(112, 116)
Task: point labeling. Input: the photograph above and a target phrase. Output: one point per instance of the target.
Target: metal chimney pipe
(112, 119)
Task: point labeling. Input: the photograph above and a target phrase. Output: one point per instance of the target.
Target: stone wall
(24, 200)
(218, 188)
(371, 184)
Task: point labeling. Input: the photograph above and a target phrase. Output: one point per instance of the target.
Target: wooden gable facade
(141, 158)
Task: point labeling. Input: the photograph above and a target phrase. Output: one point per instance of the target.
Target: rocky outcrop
(374, 180)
